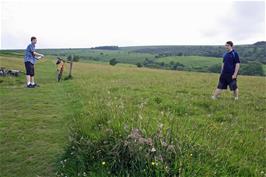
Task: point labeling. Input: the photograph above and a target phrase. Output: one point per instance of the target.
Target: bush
(176, 66)
(130, 155)
(139, 65)
(113, 62)
(69, 57)
(252, 68)
(216, 68)
(106, 48)
(162, 64)
(76, 58)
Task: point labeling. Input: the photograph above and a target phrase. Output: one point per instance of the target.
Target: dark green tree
(113, 62)
(252, 68)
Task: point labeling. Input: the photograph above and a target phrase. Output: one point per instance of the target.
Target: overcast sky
(80, 23)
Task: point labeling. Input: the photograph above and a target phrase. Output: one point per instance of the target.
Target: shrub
(216, 68)
(177, 66)
(252, 68)
(134, 154)
(139, 65)
(69, 57)
(76, 58)
(113, 62)
(130, 155)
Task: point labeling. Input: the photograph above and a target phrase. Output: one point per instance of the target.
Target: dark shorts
(29, 68)
(226, 80)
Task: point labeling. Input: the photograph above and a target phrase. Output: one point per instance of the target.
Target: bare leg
(235, 93)
(32, 80)
(28, 78)
(216, 93)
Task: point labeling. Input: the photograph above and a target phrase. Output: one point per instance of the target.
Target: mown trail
(33, 122)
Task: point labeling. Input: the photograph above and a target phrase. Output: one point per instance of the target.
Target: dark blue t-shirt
(230, 59)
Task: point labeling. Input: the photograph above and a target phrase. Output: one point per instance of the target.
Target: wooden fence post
(70, 69)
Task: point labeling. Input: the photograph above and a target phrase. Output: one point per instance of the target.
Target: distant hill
(260, 43)
(106, 47)
(251, 52)
(202, 58)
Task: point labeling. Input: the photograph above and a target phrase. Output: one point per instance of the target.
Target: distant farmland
(183, 58)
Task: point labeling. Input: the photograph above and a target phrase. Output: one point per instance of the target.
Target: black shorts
(225, 80)
(29, 68)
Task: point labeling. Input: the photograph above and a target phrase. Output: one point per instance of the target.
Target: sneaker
(236, 98)
(35, 85)
(29, 86)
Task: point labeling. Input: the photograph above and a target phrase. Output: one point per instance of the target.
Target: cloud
(71, 23)
(243, 22)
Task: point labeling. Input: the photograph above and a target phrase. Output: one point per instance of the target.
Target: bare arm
(236, 70)
(38, 54)
(222, 67)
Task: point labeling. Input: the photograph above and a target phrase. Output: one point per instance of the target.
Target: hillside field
(109, 118)
(192, 61)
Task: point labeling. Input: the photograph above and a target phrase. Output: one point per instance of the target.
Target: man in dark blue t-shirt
(229, 71)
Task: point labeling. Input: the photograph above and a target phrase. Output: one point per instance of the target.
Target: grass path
(32, 122)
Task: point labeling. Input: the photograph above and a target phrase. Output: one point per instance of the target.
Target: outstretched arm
(38, 54)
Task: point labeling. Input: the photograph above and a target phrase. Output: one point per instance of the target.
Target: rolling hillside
(88, 125)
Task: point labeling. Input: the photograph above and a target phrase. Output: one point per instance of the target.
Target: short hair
(33, 38)
(230, 43)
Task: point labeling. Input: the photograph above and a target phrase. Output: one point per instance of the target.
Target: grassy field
(122, 56)
(264, 67)
(88, 126)
(33, 123)
(129, 56)
(192, 61)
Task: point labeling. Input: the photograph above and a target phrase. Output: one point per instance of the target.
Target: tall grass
(140, 122)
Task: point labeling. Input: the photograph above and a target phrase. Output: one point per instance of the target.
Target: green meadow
(264, 68)
(127, 121)
(192, 61)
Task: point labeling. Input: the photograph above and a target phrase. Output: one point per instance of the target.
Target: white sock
(28, 83)
(214, 97)
(32, 83)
